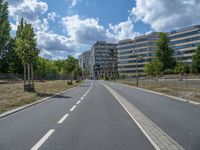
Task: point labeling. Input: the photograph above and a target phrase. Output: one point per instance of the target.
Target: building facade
(133, 54)
(103, 61)
(84, 62)
(184, 42)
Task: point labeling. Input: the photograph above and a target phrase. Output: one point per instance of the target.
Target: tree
(153, 68)
(4, 32)
(196, 61)
(182, 68)
(25, 47)
(164, 53)
(70, 66)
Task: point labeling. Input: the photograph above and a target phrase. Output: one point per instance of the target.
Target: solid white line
(78, 102)
(42, 140)
(63, 118)
(73, 108)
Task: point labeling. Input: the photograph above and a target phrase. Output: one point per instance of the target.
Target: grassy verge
(189, 92)
(12, 94)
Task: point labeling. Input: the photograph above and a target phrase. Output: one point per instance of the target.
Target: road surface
(101, 115)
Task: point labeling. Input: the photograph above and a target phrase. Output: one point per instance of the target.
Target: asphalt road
(92, 117)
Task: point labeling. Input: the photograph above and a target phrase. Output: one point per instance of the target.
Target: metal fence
(181, 81)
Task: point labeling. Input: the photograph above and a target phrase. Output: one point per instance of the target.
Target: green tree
(4, 33)
(153, 68)
(25, 47)
(182, 68)
(164, 54)
(196, 61)
(70, 66)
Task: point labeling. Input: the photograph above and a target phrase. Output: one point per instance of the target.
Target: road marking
(73, 108)
(82, 98)
(42, 140)
(63, 118)
(157, 137)
(78, 102)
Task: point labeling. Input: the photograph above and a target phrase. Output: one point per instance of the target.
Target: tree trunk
(71, 78)
(24, 74)
(32, 74)
(29, 74)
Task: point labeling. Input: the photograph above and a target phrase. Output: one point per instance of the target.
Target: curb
(162, 94)
(7, 113)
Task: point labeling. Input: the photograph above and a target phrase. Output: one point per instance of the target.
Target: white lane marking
(157, 137)
(73, 108)
(88, 90)
(63, 118)
(82, 97)
(42, 140)
(78, 102)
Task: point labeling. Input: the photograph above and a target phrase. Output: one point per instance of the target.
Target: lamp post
(136, 56)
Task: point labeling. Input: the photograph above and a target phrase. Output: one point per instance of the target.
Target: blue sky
(69, 27)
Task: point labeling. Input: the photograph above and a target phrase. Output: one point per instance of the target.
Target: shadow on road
(50, 94)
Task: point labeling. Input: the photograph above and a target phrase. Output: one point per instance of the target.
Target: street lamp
(136, 56)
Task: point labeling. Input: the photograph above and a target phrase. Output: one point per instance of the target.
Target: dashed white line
(42, 140)
(73, 108)
(63, 118)
(82, 98)
(78, 102)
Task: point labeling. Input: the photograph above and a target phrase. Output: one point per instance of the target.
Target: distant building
(184, 42)
(84, 62)
(133, 54)
(103, 61)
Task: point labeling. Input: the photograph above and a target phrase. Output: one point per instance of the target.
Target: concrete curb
(162, 94)
(32, 104)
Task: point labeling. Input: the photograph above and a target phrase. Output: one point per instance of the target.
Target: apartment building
(84, 61)
(184, 42)
(103, 61)
(133, 54)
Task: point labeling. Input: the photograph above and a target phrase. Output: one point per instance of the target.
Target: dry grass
(189, 92)
(12, 94)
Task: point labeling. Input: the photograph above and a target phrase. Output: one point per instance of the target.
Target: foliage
(164, 53)
(153, 68)
(4, 34)
(25, 43)
(196, 62)
(182, 68)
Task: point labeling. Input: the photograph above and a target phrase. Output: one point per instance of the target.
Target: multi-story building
(134, 54)
(84, 62)
(103, 61)
(184, 42)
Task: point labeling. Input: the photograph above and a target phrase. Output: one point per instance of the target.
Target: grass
(12, 94)
(178, 90)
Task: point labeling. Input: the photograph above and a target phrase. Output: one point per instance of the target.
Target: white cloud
(52, 16)
(28, 9)
(164, 15)
(51, 42)
(124, 30)
(72, 3)
(85, 31)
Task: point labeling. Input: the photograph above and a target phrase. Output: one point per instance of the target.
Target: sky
(69, 27)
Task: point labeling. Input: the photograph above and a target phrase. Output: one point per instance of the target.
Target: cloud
(73, 3)
(124, 30)
(51, 42)
(28, 9)
(85, 31)
(52, 16)
(165, 15)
